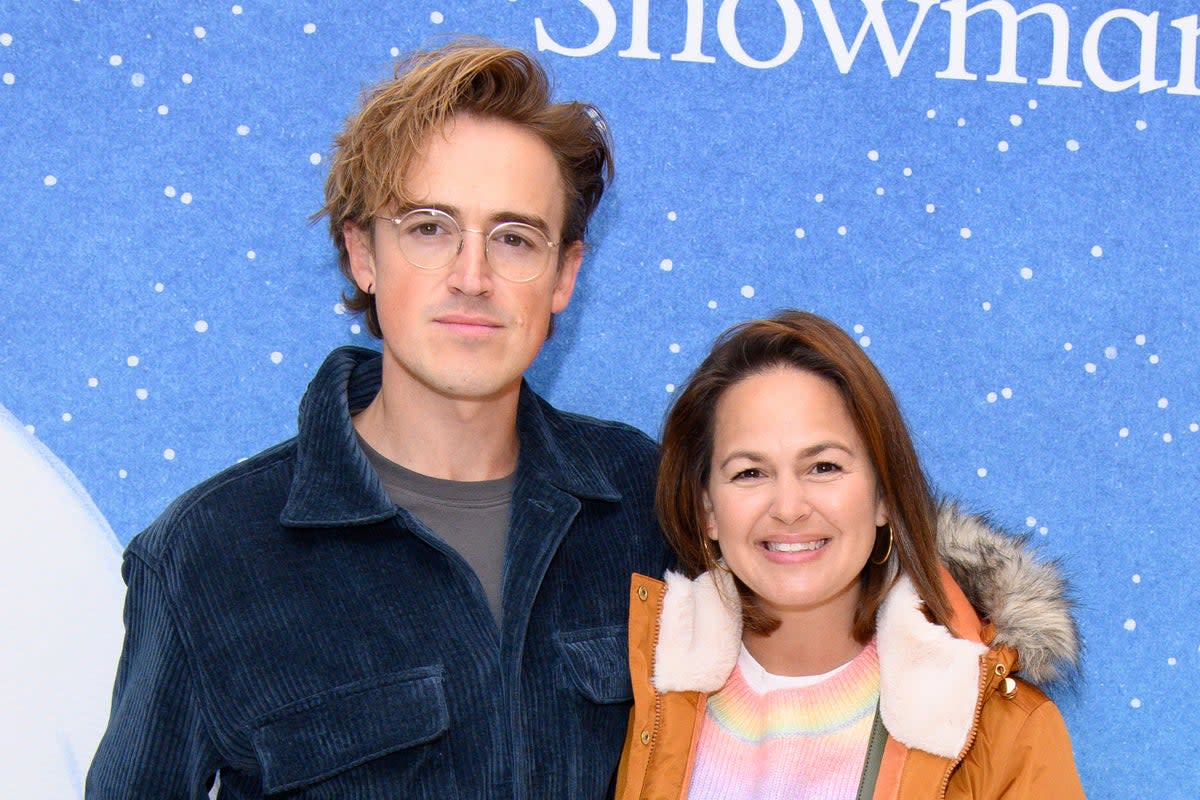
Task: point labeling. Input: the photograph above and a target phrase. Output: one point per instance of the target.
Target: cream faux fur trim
(700, 633)
(929, 680)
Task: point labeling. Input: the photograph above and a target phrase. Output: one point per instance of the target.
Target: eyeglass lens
(431, 239)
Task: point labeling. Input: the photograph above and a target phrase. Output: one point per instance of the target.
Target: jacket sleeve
(1042, 762)
(156, 744)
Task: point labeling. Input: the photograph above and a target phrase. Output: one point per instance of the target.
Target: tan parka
(956, 721)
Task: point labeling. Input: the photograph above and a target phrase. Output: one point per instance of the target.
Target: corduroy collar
(335, 486)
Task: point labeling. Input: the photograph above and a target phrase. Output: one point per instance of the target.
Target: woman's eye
(750, 473)
(826, 468)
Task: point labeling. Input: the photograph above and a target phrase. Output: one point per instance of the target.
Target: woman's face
(792, 497)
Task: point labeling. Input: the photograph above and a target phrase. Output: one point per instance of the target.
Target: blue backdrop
(997, 199)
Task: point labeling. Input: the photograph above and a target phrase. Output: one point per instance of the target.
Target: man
(424, 593)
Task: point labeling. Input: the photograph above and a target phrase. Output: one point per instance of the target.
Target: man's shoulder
(612, 441)
(252, 490)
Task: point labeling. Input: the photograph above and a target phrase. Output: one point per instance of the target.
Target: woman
(817, 646)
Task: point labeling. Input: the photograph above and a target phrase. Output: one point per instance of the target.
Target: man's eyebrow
(496, 218)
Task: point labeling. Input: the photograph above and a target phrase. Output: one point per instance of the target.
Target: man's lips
(468, 322)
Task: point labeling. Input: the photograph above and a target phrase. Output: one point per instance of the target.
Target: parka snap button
(642, 595)
(1000, 670)
(1008, 688)
(645, 737)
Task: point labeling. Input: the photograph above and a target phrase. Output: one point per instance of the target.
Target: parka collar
(335, 486)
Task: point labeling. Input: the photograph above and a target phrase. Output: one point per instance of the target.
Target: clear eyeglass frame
(430, 239)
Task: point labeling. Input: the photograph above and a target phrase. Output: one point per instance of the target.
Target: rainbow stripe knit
(807, 742)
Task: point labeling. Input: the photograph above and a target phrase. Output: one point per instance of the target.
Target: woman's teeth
(795, 547)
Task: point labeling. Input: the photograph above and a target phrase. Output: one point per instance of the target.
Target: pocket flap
(597, 661)
(319, 736)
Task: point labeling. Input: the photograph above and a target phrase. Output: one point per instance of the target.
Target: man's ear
(361, 250)
(568, 271)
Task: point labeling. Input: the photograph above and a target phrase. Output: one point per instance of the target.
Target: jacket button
(645, 737)
(1000, 670)
(1008, 688)
(642, 595)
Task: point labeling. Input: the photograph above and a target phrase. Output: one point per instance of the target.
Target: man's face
(463, 331)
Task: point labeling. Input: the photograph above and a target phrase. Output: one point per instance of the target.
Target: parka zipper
(985, 679)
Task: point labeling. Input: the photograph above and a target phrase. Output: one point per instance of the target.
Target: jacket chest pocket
(597, 663)
(400, 716)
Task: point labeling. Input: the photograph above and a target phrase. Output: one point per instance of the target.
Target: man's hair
(473, 76)
(807, 342)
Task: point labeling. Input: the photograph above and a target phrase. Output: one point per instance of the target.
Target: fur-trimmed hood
(929, 679)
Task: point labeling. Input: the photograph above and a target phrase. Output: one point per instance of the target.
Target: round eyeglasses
(431, 239)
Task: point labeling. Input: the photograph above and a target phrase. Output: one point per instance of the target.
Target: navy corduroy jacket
(288, 626)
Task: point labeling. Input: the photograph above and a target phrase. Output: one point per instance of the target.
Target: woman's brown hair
(373, 152)
(807, 342)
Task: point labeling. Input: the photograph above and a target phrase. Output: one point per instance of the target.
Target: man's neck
(460, 439)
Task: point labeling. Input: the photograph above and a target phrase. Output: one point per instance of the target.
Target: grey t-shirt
(470, 516)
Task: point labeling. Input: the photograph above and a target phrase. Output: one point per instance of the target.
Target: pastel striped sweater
(802, 742)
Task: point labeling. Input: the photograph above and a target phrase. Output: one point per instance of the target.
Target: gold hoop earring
(888, 554)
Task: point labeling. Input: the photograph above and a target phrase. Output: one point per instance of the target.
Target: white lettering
(695, 30)
(874, 20)
(1188, 33)
(1144, 79)
(606, 29)
(639, 39)
(793, 22)
(1009, 20)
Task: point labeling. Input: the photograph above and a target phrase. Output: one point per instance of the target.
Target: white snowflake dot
(6, 39)
(133, 361)
(672, 216)
(163, 110)
(1032, 104)
(115, 60)
(930, 114)
(243, 130)
(864, 341)
(1068, 346)
(964, 233)
(1140, 124)
(1097, 251)
(137, 80)
(1089, 367)
(712, 304)
(1123, 433)
(1162, 402)
(1030, 522)
(66, 417)
(121, 473)
(356, 329)
(186, 198)
(820, 198)
(158, 287)
(236, 10)
(1006, 393)
(747, 291)
(987, 306)
(186, 77)
(981, 472)
(395, 52)
(873, 155)
(310, 28)
(169, 191)
(1015, 120)
(992, 397)
(1072, 145)
(1136, 578)
(674, 347)
(1140, 340)
(250, 254)
(930, 208)
(9, 79)
(1110, 352)
(1130, 624)
(201, 326)
(437, 18)
(1194, 427)
(908, 172)
(1168, 438)
(314, 159)
(1171, 661)
(841, 230)
(1002, 146)
(276, 357)
(1135, 703)
(50, 180)
(670, 387)
(141, 394)
(961, 122)
(169, 454)
(93, 382)
(1153, 359)
(199, 32)
(339, 308)
(31, 430)
(800, 234)
(879, 191)
(1026, 273)
(859, 329)
(666, 265)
